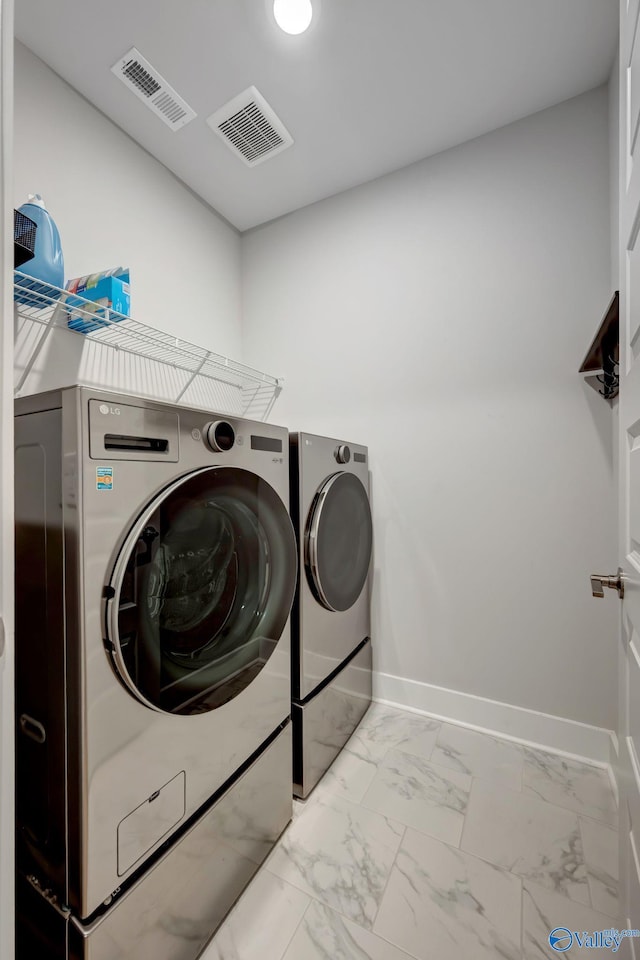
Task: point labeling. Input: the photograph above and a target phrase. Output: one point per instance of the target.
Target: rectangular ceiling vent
(150, 87)
(250, 128)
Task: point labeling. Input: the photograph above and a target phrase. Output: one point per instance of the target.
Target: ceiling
(374, 85)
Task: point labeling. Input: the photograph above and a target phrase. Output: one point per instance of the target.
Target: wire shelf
(195, 374)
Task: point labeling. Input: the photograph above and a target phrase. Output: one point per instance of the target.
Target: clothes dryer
(331, 649)
(155, 572)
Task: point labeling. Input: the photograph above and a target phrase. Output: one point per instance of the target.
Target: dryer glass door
(202, 590)
(338, 541)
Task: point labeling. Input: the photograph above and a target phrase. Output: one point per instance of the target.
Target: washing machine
(155, 571)
(331, 643)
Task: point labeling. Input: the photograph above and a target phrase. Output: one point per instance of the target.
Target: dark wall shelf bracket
(601, 361)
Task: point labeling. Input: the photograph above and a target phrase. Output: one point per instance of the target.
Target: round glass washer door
(338, 541)
(202, 590)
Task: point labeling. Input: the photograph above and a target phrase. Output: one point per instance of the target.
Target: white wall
(440, 315)
(445, 309)
(614, 171)
(116, 205)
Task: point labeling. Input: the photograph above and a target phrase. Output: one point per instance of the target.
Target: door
(6, 487)
(338, 540)
(202, 590)
(628, 766)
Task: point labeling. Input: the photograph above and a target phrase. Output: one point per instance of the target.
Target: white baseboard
(557, 734)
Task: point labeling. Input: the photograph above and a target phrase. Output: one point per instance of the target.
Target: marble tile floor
(428, 840)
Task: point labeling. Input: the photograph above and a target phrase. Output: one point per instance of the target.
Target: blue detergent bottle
(47, 264)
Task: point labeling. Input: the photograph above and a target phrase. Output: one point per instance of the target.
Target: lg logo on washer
(106, 409)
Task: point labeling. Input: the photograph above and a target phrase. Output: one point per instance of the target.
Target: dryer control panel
(221, 437)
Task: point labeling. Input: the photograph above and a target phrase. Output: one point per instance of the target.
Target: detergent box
(101, 299)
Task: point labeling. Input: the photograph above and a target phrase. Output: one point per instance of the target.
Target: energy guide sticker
(104, 478)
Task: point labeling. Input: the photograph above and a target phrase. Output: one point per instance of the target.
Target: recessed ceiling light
(293, 16)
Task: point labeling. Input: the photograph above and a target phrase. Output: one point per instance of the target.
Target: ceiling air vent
(250, 128)
(150, 87)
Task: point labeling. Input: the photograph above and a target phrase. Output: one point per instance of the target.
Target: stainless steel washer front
(156, 565)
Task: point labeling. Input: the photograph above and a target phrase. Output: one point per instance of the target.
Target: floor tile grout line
(537, 886)
(298, 925)
(518, 876)
(457, 849)
(434, 763)
(598, 910)
(602, 823)
(326, 799)
(459, 846)
(514, 744)
(405, 714)
(227, 918)
(435, 742)
(591, 872)
(386, 884)
(408, 826)
(489, 777)
(473, 856)
(558, 806)
(391, 943)
(368, 930)
(584, 858)
(534, 795)
(474, 780)
(313, 897)
(453, 846)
